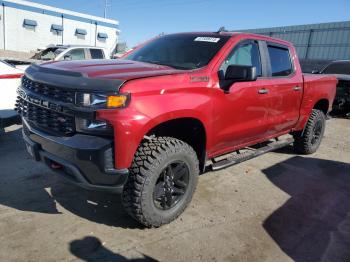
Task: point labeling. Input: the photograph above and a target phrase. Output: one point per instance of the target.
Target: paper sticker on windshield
(207, 39)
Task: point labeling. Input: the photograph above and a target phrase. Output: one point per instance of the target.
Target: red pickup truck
(148, 124)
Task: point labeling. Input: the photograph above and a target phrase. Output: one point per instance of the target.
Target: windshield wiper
(165, 64)
(157, 63)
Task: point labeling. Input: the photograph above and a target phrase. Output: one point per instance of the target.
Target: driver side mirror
(237, 73)
(241, 73)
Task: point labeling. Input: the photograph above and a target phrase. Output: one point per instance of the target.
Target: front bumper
(84, 160)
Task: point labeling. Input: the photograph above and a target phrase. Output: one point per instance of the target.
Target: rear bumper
(9, 118)
(86, 161)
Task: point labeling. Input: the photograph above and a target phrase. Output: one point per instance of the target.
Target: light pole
(106, 6)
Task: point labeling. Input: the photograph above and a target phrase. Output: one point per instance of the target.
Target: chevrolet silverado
(147, 125)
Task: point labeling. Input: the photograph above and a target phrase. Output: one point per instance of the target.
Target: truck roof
(232, 33)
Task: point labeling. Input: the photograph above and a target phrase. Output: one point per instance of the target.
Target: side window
(281, 64)
(97, 54)
(76, 54)
(245, 54)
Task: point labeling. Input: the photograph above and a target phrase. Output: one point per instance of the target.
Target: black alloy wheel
(171, 185)
(308, 140)
(162, 180)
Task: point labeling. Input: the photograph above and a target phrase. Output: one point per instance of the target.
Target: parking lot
(278, 207)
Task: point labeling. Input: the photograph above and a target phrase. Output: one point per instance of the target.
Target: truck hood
(94, 75)
(112, 69)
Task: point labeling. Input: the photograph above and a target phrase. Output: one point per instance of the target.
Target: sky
(140, 20)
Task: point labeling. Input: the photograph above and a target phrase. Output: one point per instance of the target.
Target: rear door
(285, 88)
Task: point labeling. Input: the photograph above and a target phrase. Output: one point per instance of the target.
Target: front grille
(46, 119)
(48, 91)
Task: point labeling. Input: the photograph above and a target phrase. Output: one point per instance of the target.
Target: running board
(251, 153)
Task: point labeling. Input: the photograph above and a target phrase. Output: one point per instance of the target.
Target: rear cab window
(280, 60)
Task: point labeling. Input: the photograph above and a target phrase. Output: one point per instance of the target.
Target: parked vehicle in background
(10, 80)
(20, 64)
(71, 52)
(312, 65)
(15, 67)
(341, 69)
(148, 124)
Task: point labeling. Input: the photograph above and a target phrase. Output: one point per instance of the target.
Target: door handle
(297, 88)
(263, 91)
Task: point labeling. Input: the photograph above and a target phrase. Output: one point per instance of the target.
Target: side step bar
(241, 157)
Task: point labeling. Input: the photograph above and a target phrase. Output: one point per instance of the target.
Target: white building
(27, 26)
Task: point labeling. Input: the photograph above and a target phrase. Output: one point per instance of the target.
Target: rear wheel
(307, 142)
(162, 180)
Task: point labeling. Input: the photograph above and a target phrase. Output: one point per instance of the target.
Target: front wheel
(162, 180)
(308, 141)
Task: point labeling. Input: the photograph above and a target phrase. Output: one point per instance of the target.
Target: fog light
(96, 124)
(93, 126)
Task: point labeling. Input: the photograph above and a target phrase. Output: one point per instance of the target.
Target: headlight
(97, 101)
(93, 99)
(102, 101)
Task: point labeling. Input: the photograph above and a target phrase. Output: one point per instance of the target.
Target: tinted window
(96, 54)
(182, 51)
(280, 61)
(76, 54)
(342, 68)
(48, 54)
(245, 54)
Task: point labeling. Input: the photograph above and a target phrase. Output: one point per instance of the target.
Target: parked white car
(11, 71)
(71, 52)
(10, 79)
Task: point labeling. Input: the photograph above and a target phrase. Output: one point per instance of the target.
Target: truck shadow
(314, 223)
(91, 249)
(99, 207)
(29, 186)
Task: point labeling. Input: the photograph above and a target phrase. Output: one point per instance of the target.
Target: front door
(240, 115)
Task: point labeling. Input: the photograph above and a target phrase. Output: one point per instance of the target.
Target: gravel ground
(278, 207)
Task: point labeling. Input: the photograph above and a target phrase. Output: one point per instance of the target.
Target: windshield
(48, 53)
(180, 51)
(342, 68)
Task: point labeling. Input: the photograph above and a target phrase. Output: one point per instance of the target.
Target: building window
(102, 37)
(29, 24)
(80, 33)
(56, 29)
